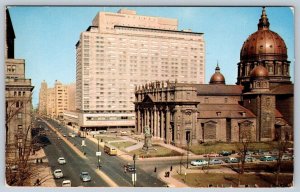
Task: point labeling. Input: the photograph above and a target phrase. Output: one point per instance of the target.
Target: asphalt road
(73, 167)
(110, 165)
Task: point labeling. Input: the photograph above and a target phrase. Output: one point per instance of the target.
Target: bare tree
(245, 139)
(18, 167)
(281, 146)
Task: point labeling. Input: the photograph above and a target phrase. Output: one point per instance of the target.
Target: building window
(206, 100)
(226, 100)
(19, 115)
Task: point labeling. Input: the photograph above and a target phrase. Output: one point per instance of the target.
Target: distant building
(18, 96)
(259, 107)
(42, 107)
(54, 101)
(122, 50)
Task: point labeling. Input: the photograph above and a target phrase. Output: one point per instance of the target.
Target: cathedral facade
(259, 107)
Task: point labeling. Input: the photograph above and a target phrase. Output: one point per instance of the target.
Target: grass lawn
(122, 145)
(217, 147)
(227, 180)
(158, 152)
(107, 138)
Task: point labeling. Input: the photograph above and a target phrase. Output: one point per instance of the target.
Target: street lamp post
(98, 155)
(187, 152)
(134, 171)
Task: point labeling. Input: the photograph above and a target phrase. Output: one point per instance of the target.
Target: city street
(112, 166)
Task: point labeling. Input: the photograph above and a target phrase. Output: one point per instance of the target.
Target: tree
(18, 143)
(281, 145)
(245, 139)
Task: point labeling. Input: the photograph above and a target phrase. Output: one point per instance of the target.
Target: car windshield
(85, 173)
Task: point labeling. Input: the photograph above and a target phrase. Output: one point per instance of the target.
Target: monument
(148, 144)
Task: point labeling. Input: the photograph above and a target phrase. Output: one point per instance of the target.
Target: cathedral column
(162, 126)
(158, 123)
(151, 122)
(138, 121)
(168, 125)
(155, 121)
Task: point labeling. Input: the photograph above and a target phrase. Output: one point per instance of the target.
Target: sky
(46, 36)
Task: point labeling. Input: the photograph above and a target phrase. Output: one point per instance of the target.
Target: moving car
(267, 158)
(66, 183)
(61, 160)
(85, 176)
(215, 161)
(130, 168)
(199, 162)
(57, 173)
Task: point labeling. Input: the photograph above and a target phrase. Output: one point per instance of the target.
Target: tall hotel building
(122, 50)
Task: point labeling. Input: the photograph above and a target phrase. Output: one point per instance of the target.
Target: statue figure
(147, 130)
(148, 144)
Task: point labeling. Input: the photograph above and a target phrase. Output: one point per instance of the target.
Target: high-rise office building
(122, 50)
(54, 101)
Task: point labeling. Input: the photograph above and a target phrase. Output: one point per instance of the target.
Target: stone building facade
(259, 107)
(18, 100)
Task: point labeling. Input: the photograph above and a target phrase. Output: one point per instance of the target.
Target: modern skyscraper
(122, 50)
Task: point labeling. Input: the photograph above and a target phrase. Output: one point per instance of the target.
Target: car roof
(84, 172)
(66, 181)
(57, 170)
(60, 158)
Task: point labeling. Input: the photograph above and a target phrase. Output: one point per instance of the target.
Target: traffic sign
(98, 153)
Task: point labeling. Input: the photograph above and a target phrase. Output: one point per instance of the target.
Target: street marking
(66, 141)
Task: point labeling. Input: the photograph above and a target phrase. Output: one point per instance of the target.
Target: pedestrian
(154, 169)
(171, 168)
(125, 169)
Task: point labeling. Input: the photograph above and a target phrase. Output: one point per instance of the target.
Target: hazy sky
(46, 36)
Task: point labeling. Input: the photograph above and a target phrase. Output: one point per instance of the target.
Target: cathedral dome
(259, 72)
(217, 77)
(264, 44)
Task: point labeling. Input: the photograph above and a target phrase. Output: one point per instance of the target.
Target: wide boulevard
(112, 166)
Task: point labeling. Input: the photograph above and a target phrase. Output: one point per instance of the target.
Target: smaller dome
(217, 77)
(259, 72)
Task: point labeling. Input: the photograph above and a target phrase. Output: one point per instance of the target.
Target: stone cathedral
(259, 106)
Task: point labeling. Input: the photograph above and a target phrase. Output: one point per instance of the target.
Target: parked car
(61, 160)
(267, 158)
(57, 173)
(124, 133)
(225, 153)
(211, 155)
(216, 161)
(85, 176)
(250, 159)
(231, 160)
(199, 162)
(66, 183)
(286, 158)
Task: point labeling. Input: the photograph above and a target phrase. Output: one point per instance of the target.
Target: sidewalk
(43, 171)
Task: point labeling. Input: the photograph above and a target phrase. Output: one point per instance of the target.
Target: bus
(110, 150)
